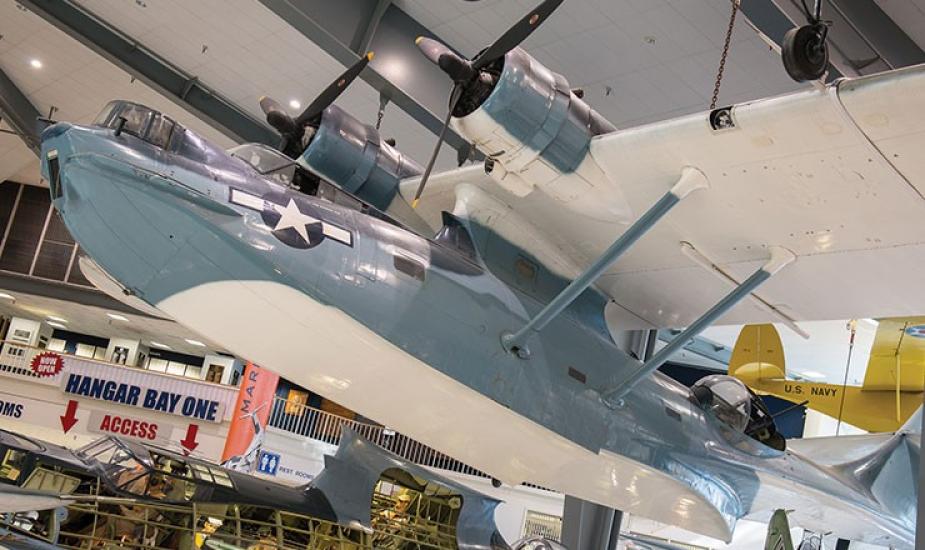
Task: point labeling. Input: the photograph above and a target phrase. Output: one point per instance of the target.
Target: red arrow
(70, 417)
(189, 443)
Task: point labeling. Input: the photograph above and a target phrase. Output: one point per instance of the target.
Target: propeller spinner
(293, 129)
(464, 71)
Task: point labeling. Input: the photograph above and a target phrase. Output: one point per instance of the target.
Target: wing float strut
(780, 258)
(691, 180)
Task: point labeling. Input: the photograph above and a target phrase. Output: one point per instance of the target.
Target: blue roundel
(916, 331)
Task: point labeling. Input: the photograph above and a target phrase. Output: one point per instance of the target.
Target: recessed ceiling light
(57, 319)
(160, 345)
(36, 64)
(116, 317)
(56, 324)
(6, 296)
(294, 104)
(195, 343)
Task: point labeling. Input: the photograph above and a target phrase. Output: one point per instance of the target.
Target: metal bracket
(691, 180)
(780, 258)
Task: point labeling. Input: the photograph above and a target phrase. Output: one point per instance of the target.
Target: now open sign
(47, 364)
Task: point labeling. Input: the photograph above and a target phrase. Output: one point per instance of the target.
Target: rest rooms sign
(138, 388)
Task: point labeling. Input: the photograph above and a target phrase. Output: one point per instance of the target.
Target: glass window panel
(175, 368)
(160, 131)
(56, 344)
(26, 229)
(104, 115)
(99, 353)
(57, 231)
(52, 260)
(77, 277)
(193, 372)
(155, 364)
(136, 119)
(85, 350)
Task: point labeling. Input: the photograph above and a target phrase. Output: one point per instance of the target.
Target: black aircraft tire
(805, 53)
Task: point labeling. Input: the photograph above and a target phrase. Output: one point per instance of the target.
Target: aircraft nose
(54, 130)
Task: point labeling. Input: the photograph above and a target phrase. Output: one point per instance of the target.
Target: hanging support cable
(853, 327)
(691, 180)
(780, 258)
(725, 54)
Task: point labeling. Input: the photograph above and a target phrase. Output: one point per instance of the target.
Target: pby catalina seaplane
(502, 361)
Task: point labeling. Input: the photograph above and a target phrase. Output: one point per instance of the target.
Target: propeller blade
(458, 68)
(277, 116)
(432, 49)
(454, 98)
(333, 90)
(516, 34)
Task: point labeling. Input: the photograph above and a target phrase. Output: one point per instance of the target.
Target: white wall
(34, 328)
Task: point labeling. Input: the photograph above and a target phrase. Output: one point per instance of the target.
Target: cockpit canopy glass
(727, 398)
(145, 472)
(266, 161)
(140, 121)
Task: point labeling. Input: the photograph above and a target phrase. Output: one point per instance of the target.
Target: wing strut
(780, 258)
(691, 180)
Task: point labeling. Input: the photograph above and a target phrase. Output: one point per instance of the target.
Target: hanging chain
(722, 59)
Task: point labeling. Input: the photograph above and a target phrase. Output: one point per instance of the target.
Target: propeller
(292, 129)
(464, 71)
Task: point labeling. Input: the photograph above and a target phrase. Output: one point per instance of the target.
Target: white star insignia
(292, 217)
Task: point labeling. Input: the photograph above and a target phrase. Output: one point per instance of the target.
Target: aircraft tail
(758, 354)
(778, 532)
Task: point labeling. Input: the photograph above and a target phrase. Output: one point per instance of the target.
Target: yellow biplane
(892, 389)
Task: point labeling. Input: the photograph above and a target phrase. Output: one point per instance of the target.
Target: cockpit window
(268, 162)
(160, 131)
(106, 114)
(727, 398)
(136, 119)
(140, 121)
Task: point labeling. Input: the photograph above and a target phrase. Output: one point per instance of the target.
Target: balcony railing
(324, 426)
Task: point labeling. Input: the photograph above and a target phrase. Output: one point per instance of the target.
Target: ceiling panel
(73, 79)
(244, 51)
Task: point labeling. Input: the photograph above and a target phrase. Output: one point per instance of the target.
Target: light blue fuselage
(161, 223)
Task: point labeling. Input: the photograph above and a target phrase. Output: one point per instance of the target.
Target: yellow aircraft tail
(758, 355)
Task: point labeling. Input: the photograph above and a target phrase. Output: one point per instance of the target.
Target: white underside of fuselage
(329, 352)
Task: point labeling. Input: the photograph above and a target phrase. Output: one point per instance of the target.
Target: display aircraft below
(320, 270)
(893, 382)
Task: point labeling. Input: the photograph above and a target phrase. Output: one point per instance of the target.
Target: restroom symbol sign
(268, 463)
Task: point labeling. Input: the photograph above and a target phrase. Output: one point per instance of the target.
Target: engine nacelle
(353, 156)
(537, 133)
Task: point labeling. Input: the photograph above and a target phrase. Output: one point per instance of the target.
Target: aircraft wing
(835, 175)
(899, 345)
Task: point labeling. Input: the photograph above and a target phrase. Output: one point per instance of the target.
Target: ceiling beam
(882, 34)
(19, 113)
(398, 72)
(364, 35)
(862, 38)
(145, 65)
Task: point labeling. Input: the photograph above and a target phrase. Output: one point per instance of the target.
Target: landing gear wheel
(805, 52)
